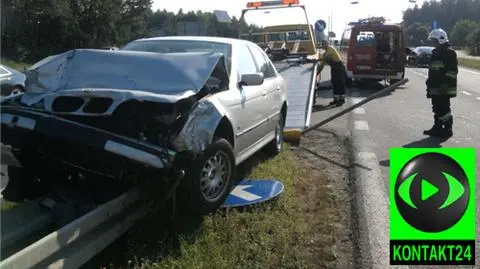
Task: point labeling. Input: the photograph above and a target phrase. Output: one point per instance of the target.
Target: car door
(249, 114)
(270, 89)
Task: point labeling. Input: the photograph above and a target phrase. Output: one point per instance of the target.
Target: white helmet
(438, 35)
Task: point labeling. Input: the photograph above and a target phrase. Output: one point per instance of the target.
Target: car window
(246, 64)
(175, 46)
(262, 63)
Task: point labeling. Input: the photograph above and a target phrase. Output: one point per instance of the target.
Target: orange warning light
(254, 4)
(257, 4)
(291, 2)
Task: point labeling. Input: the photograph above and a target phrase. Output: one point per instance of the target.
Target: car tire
(276, 145)
(204, 170)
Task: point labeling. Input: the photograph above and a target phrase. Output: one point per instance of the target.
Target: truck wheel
(276, 145)
(210, 178)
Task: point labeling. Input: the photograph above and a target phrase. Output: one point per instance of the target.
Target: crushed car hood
(138, 75)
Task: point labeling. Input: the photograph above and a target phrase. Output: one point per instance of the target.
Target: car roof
(226, 40)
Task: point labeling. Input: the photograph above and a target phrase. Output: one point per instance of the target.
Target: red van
(374, 51)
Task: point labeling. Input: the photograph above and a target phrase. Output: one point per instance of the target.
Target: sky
(341, 11)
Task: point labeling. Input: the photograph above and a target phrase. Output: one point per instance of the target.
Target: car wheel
(276, 145)
(210, 178)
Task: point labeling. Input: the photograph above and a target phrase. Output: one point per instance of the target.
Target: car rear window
(176, 46)
(365, 39)
(426, 50)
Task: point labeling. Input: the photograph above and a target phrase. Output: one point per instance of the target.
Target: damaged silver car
(158, 107)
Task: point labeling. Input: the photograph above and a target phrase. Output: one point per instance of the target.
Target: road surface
(397, 120)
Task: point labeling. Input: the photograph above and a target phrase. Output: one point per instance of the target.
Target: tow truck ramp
(300, 82)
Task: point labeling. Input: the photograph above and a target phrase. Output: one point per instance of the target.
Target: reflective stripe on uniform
(437, 65)
(451, 74)
(446, 91)
(445, 117)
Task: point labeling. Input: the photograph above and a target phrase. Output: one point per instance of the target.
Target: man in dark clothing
(442, 83)
(337, 71)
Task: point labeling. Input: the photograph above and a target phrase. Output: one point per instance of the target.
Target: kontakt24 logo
(432, 206)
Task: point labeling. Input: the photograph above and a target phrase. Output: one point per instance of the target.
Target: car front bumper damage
(27, 134)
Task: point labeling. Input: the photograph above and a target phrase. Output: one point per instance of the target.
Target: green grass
(15, 64)
(269, 235)
(470, 63)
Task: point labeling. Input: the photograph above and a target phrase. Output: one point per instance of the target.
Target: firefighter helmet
(438, 35)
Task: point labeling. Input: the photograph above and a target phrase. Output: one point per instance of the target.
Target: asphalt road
(398, 120)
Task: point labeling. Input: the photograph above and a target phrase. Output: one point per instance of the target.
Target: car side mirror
(253, 79)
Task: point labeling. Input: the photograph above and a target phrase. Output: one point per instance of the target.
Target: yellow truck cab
(286, 40)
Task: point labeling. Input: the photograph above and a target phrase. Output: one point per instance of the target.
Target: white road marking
(420, 74)
(478, 98)
(361, 125)
(359, 110)
(469, 71)
(467, 93)
(357, 100)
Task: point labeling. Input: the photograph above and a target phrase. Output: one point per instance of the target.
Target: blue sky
(340, 10)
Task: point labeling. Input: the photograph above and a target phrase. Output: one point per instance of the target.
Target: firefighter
(337, 70)
(441, 83)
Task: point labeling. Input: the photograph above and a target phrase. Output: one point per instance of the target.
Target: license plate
(363, 67)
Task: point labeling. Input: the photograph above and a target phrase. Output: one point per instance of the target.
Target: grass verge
(268, 235)
(275, 234)
(470, 63)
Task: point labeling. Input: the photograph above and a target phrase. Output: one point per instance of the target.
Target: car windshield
(426, 50)
(176, 46)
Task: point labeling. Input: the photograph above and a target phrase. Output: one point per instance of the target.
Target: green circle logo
(432, 192)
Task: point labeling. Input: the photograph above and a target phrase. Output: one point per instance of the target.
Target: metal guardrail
(80, 240)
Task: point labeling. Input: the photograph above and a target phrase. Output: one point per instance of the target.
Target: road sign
(253, 191)
(435, 24)
(222, 16)
(320, 25)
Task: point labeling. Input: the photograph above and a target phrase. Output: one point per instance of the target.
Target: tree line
(34, 29)
(459, 18)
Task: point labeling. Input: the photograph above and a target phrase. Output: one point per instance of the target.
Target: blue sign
(253, 191)
(435, 24)
(320, 25)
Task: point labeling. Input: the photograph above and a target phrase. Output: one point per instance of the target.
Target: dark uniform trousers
(338, 75)
(442, 85)
(441, 110)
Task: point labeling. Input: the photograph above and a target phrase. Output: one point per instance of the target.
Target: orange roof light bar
(258, 4)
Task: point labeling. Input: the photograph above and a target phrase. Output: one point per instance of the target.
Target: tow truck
(301, 78)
